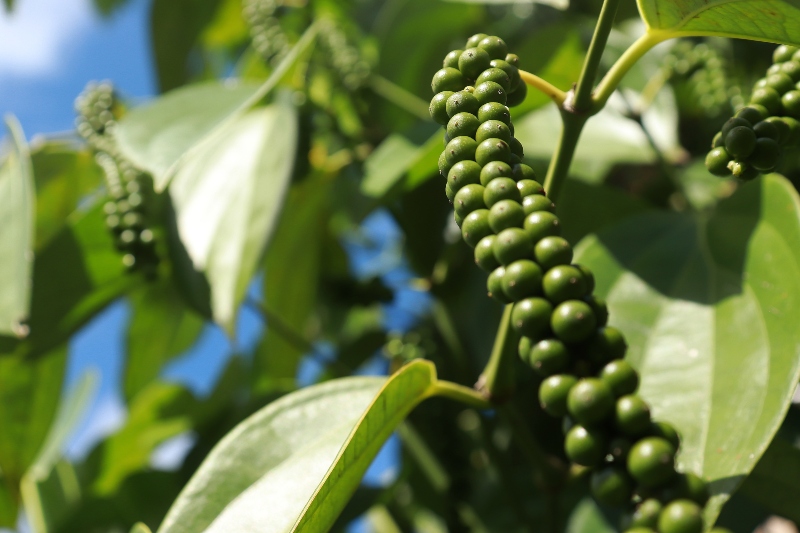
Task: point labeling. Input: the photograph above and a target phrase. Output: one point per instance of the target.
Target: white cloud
(35, 37)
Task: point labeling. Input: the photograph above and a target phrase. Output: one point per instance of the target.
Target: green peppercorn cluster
(269, 39)
(752, 141)
(505, 215)
(126, 212)
(700, 69)
(344, 57)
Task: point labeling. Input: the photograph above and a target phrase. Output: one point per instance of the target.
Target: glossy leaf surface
(762, 20)
(227, 200)
(17, 215)
(709, 306)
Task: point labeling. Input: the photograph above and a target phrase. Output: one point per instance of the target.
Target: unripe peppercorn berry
(645, 515)
(494, 111)
(651, 461)
(528, 187)
(473, 61)
(632, 415)
(451, 59)
(499, 77)
(484, 253)
(621, 377)
(537, 202)
(438, 107)
(767, 129)
(468, 199)
(494, 46)
(531, 317)
(564, 282)
(753, 113)
(573, 321)
(500, 189)
(585, 446)
(511, 71)
(476, 227)
(505, 214)
(611, 486)
(551, 252)
(473, 41)
(518, 95)
(590, 402)
(523, 278)
(448, 79)
(717, 162)
(494, 285)
(606, 345)
(553, 394)
(494, 170)
(681, 516)
(461, 102)
(461, 149)
(548, 357)
(463, 173)
(599, 308)
(766, 154)
(489, 91)
(512, 244)
(492, 129)
(541, 224)
(463, 124)
(740, 142)
(491, 150)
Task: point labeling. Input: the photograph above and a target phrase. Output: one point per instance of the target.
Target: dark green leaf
(775, 481)
(227, 200)
(761, 20)
(109, 7)
(291, 277)
(175, 27)
(708, 305)
(587, 518)
(161, 328)
(558, 4)
(17, 219)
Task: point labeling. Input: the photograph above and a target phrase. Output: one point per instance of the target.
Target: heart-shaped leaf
(17, 216)
(228, 197)
(292, 466)
(761, 20)
(710, 307)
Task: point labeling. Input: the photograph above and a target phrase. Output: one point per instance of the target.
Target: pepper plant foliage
(259, 192)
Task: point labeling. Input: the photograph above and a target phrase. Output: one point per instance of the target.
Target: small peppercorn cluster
(701, 70)
(269, 39)
(752, 141)
(343, 56)
(126, 213)
(505, 215)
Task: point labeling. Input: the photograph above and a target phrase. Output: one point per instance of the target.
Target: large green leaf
(17, 216)
(228, 198)
(187, 122)
(291, 277)
(775, 481)
(293, 465)
(161, 328)
(709, 305)
(175, 26)
(763, 20)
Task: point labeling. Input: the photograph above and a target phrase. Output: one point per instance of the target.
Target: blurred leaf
(709, 306)
(17, 219)
(701, 188)
(186, 123)
(384, 167)
(75, 276)
(159, 412)
(30, 391)
(585, 208)
(775, 481)
(228, 198)
(161, 328)
(761, 20)
(49, 497)
(175, 27)
(65, 179)
(587, 518)
(140, 528)
(9, 5)
(558, 4)
(109, 7)
(8, 506)
(291, 277)
(269, 448)
(228, 28)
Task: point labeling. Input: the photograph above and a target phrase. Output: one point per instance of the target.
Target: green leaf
(140, 528)
(761, 20)
(291, 278)
(161, 328)
(558, 4)
(389, 162)
(30, 391)
(109, 7)
(175, 27)
(273, 444)
(775, 481)
(17, 216)
(65, 178)
(709, 306)
(227, 200)
(187, 122)
(587, 518)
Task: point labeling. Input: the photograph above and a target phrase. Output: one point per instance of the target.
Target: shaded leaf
(558, 4)
(187, 122)
(161, 328)
(762, 20)
(291, 277)
(228, 198)
(708, 305)
(109, 7)
(587, 518)
(389, 162)
(775, 481)
(17, 218)
(175, 27)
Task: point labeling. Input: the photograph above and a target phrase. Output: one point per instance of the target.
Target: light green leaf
(587, 518)
(389, 162)
(558, 4)
(228, 198)
(292, 466)
(17, 216)
(140, 528)
(761, 20)
(775, 481)
(161, 328)
(709, 306)
(186, 123)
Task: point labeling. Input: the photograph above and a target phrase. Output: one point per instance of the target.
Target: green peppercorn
(500, 77)
(541, 224)
(590, 402)
(599, 308)
(494, 46)
(517, 96)
(681, 516)
(524, 172)
(444, 166)
(537, 202)
(651, 461)
(645, 515)
(489, 91)
(585, 446)
(473, 41)
(523, 278)
(476, 227)
(505, 214)
(464, 172)
(461, 149)
(484, 253)
(528, 187)
(494, 111)
(451, 59)
(765, 155)
(473, 61)
(769, 98)
(783, 53)
(573, 321)
(438, 107)
(606, 345)
(551, 252)
(468, 199)
(531, 317)
(740, 142)
(781, 126)
(717, 162)
(463, 124)
(632, 416)
(512, 244)
(500, 189)
(511, 71)
(753, 113)
(553, 393)
(621, 377)
(779, 81)
(564, 282)
(791, 103)
(448, 79)
(493, 170)
(494, 285)
(491, 150)
(611, 486)
(686, 486)
(767, 129)
(548, 357)
(492, 129)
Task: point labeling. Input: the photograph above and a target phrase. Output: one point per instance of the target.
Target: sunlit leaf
(762, 20)
(558, 4)
(17, 216)
(709, 306)
(227, 200)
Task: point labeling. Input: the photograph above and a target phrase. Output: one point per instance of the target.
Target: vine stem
(399, 96)
(544, 86)
(583, 92)
(497, 380)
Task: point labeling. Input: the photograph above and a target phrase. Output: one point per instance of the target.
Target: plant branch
(460, 393)
(497, 379)
(572, 125)
(399, 96)
(615, 74)
(583, 92)
(544, 86)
